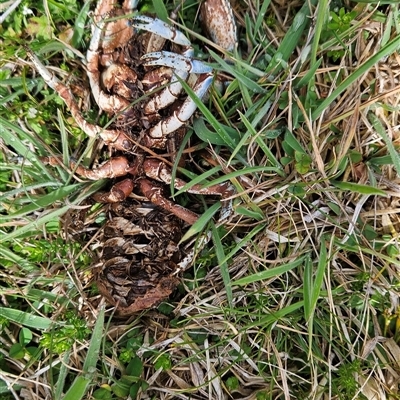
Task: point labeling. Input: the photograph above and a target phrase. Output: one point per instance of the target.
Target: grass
(297, 296)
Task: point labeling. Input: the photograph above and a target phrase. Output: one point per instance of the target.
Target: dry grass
(298, 294)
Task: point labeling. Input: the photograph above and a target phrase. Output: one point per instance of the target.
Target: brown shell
(140, 257)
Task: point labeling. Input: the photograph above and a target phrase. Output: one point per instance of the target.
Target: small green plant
(63, 338)
(340, 22)
(232, 383)
(262, 396)
(42, 250)
(131, 381)
(339, 26)
(345, 384)
(22, 349)
(129, 348)
(296, 153)
(27, 21)
(163, 361)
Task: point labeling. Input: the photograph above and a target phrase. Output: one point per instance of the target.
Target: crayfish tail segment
(113, 168)
(154, 194)
(159, 171)
(153, 297)
(119, 192)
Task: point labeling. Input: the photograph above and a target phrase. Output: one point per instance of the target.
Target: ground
(296, 295)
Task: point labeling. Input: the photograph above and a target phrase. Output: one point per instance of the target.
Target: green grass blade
(223, 265)
(161, 10)
(380, 129)
(36, 225)
(44, 201)
(13, 140)
(261, 15)
(260, 141)
(357, 74)
(95, 343)
(317, 286)
(291, 39)
(244, 241)
(79, 387)
(200, 224)
(80, 26)
(209, 136)
(320, 22)
(62, 375)
(272, 272)
(82, 382)
(272, 318)
(4, 389)
(9, 255)
(231, 175)
(242, 79)
(64, 139)
(208, 115)
(308, 78)
(357, 188)
(312, 287)
(308, 287)
(26, 319)
(244, 171)
(27, 188)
